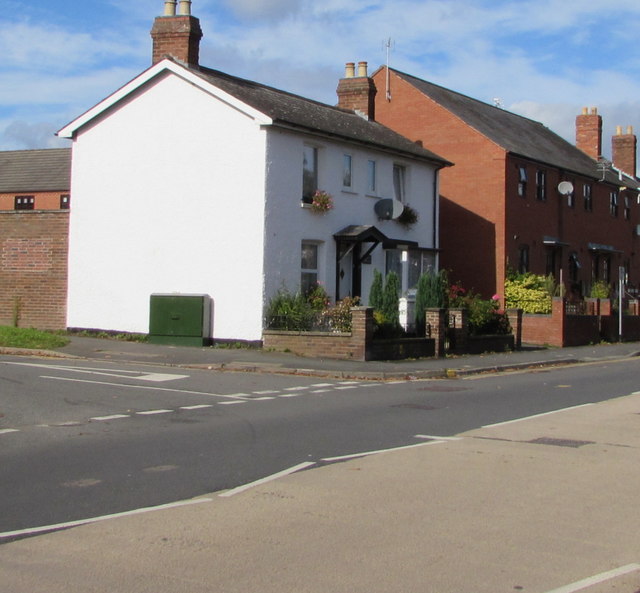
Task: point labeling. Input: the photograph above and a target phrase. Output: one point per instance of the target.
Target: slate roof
(297, 112)
(35, 170)
(514, 133)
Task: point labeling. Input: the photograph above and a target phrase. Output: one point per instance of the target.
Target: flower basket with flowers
(321, 201)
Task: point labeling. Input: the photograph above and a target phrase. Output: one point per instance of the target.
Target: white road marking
(141, 376)
(230, 403)
(321, 385)
(8, 430)
(596, 579)
(321, 390)
(266, 392)
(153, 412)
(301, 388)
(290, 394)
(271, 478)
(148, 387)
(535, 416)
(347, 387)
(43, 528)
(365, 454)
(429, 436)
(196, 407)
(112, 417)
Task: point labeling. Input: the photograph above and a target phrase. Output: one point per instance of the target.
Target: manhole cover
(415, 406)
(560, 442)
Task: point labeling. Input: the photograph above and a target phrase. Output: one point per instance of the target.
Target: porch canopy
(350, 240)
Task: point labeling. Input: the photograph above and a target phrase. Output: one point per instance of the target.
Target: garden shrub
(431, 292)
(528, 292)
(600, 290)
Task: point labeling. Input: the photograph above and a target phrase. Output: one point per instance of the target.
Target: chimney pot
(170, 8)
(362, 69)
(618, 130)
(630, 130)
(589, 132)
(185, 8)
(349, 70)
(585, 111)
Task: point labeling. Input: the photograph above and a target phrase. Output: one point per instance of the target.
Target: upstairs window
(309, 173)
(24, 202)
(65, 202)
(541, 185)
(371, 177)
(522, 181)
(588, 200)
(627, 208)
(347, 171)
(399, 180)
(613, 203)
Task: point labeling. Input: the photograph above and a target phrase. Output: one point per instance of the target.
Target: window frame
(309, 271)
(399, 178)
(613, 203)
(587, 196)
(24, 202)
(347, 171)
(541, 185)
(309, 174)
(522, 181)
(372, 177)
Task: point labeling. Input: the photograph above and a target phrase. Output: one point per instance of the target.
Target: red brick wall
(483, 220)
(471, 204)
(43, 200)
(33, 268)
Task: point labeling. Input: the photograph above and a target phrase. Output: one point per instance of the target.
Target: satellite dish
(565, 188)
(388, 209)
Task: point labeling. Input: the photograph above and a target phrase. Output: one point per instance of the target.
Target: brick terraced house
(520, 197)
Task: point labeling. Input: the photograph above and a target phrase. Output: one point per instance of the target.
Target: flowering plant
(321, 201)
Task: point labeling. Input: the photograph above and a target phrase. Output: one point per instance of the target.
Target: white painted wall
(287, 223)
(168, 195)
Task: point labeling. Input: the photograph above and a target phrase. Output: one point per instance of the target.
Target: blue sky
(544, 59)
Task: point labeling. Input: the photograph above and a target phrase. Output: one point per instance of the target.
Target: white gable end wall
(168, 190)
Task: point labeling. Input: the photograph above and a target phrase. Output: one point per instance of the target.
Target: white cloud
(19, 135)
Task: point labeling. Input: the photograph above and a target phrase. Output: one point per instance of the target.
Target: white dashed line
(112, 417)
(321, 390)
(346, 387)
(230, 403)
(8, 430)
(301, 388)
(266, 392)
(197, 407)
(153, 412)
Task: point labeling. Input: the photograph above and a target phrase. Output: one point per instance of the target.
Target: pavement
(257, 360)
(544, 505)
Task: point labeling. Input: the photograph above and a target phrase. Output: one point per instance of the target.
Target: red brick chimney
(589, 132)
(623, 150)
(357, 93)
(176, 35)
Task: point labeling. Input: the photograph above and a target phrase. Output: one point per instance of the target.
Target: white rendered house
(188, 180)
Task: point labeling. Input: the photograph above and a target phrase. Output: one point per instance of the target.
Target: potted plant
(321, 201)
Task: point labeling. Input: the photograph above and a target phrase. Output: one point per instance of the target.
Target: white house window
(308, 266)
(522, 181)
(347, 171)
(371, 177)
(309, 173)
(399, 179)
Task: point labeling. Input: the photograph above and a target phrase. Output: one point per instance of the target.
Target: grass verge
(20, 337)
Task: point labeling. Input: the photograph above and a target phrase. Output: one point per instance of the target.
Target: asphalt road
(80, 439)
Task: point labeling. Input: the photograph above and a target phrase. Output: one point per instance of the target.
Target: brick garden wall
(33, 268)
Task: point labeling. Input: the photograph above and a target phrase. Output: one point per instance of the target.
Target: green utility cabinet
(180, 319)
